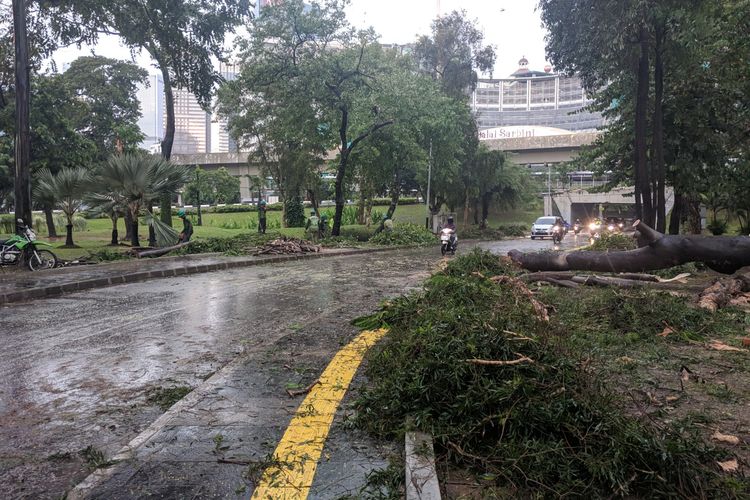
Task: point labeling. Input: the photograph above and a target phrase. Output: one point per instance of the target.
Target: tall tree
(108, 87)
(183, 38)
(307, 85)
(454, 53)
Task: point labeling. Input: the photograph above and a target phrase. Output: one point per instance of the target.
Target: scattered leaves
(721, 346)
(729, 465)
(725, 438)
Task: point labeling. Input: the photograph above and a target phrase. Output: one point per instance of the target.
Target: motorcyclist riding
(448, 237)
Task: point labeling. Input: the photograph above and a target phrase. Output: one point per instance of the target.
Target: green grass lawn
(98, 231)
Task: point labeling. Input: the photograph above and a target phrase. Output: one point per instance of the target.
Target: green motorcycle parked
(25, 249)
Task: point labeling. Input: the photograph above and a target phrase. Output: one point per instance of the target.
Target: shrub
(357, 233)
(613, 241)
(377, 216)
(7, 223)
(513, 229)
(107, 255)
(295, 212)
(717, 227)
(404, 234)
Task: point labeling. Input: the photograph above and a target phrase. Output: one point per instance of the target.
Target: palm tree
(66, 191)
(141, 179)
(107, 201)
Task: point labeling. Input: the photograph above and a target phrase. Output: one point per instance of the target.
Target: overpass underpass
(580, 204)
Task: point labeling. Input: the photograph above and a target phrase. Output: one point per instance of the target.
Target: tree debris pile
(285, 246)
(471, 360)
(732, 291)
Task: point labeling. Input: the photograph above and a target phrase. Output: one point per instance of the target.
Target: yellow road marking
(297, 454)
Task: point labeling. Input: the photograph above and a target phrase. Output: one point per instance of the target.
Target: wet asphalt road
(77, 372)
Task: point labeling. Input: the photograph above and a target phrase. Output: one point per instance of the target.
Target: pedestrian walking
(262, 216)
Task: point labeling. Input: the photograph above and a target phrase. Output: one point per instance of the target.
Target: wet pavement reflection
(76, 370)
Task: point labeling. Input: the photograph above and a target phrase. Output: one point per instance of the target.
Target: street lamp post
(429, 180)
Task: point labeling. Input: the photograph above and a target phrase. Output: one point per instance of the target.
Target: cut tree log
(725, 290)
(723, 254)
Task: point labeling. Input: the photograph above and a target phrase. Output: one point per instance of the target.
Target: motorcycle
(576, 228)
(24, 248)
(557, 234)
(448, 241)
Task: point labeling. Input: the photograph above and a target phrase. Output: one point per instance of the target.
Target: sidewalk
(26, 285)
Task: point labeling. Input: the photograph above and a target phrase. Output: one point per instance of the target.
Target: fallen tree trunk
(722, 254)
(160, 251)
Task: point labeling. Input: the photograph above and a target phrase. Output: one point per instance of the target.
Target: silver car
(543, 226)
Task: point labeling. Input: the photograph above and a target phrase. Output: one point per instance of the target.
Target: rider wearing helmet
(187, 227)
(450, 224)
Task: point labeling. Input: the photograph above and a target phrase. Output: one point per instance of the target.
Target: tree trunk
(169, 127)
(128, 226)
(313, 201)
(676, 216)
(69, 235)
(368, 211)
(486, 199)
(22, 181)
(466, 209)
(339, 189)
(113, 242)
(361, 207)
(134, 231)
(476, 212)
(395, 195)
(51, 231)
(694, 215)
(642, 177)
(165, 209)
(658, 138)
(151, 231)
(722, 254)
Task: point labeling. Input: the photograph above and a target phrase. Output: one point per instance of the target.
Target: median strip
(297, 454)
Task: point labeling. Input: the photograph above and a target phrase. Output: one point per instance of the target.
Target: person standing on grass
(312, 228)
(187, 227)
(262, 216)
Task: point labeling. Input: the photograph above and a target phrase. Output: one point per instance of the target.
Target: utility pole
(549, 188)
(23, 136)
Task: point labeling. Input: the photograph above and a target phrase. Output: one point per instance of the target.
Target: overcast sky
(512, 26)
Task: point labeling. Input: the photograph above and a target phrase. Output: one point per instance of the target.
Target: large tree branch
(363, 135)
(722, 254)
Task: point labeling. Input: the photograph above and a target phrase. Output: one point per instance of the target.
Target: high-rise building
(192, 125)
(152, 108)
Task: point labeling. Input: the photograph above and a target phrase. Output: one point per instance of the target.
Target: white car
(543, 227)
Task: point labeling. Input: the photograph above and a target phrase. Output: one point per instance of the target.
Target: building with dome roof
(530, 98)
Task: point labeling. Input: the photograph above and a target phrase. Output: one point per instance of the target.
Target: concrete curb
(421, 475)
(134, 276)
